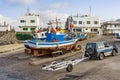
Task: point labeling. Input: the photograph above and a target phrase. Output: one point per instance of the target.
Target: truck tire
(90, 50)
(101, 56)
(69, 68)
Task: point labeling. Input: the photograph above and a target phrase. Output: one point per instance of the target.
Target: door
(107, 49)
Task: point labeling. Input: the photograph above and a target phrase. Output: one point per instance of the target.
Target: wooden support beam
(35, 52)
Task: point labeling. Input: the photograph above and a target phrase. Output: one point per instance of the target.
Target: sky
(49, 9)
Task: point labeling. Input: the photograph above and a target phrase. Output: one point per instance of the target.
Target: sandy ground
(10, 47)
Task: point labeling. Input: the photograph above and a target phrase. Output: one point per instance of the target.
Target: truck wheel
(101, 56)
(90, 50)
(113, 53)
(69, 68)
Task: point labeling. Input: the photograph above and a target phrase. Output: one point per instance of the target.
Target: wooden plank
(35, 52)
(27, 51)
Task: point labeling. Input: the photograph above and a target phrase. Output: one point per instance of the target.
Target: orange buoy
(38, 31)
(71, 25)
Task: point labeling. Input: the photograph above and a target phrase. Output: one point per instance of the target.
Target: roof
(111, 22)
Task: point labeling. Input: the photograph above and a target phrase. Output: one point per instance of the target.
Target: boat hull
(41, 48)
(49, 45)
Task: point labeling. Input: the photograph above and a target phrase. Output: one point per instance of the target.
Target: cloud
(25, 2)
(59, 5)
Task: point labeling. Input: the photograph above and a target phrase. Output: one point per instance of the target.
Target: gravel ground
(8, 38)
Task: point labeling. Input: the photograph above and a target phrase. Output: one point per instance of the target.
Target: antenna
(28, 11)
(90, 10)
(77, 15)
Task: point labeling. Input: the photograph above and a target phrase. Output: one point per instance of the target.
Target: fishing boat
(54, 42)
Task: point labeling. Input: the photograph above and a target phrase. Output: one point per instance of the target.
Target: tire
(90, 50)
(78, 47)
(63, 51)
(101, 56)
(69, 68)
(113, 53)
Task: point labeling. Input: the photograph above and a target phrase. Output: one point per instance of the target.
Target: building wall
(111, 28)
(29, 22)
(5, 28)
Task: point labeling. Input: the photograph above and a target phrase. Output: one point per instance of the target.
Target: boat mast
(56, 22)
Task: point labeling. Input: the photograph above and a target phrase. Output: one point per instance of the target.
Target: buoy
(38, 31)
(71, 25)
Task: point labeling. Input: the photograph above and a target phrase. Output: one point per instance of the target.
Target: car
(100, 50)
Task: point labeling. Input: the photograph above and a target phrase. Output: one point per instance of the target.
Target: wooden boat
(53, 42)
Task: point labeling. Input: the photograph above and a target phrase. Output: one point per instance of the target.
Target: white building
(86, 24)
(28, 22)
(111, 27)
(5, 27)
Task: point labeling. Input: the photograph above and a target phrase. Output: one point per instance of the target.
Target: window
(32, 28)
(95, 30)
(25, 29)
(32, 21)
(80, 22)
(90, 45)
(106, 45)
(22, 21)
(78, 30)
(88, 22)
(95, 22)
(100, 45)
(91, 30)
(75, 22)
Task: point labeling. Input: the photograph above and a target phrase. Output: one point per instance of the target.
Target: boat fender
(78, 47)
